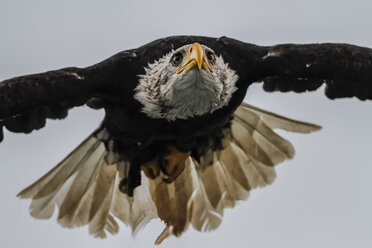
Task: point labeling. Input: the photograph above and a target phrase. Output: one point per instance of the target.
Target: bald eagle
(177, 142)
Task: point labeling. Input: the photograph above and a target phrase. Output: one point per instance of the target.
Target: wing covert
(27, 101)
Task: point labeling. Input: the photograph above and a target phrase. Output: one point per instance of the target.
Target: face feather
(185, 84)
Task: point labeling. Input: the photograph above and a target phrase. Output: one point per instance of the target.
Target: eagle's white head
(188, 82)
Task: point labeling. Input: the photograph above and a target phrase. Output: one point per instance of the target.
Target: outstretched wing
(345, 69)
(27, 101)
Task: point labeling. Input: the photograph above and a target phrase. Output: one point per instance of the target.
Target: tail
(86, 189)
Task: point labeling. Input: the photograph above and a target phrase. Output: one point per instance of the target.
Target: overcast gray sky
(321, 198)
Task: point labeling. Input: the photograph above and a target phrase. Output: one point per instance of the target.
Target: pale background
(321, 198)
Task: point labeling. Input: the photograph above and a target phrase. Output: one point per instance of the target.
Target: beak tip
(195, 58)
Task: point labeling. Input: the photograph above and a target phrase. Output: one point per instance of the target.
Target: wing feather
(345, 69)
(50, 181)
(86, 191)
(203, 216)
(276, 121)
(101, 203)
(79, 196)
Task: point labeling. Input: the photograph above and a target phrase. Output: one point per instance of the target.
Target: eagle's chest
(135, 126)
(128, 122)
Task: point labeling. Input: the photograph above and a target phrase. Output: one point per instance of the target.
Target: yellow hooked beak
(194, 57)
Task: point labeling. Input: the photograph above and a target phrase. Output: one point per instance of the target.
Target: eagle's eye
(211, 57)
(177, 59)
